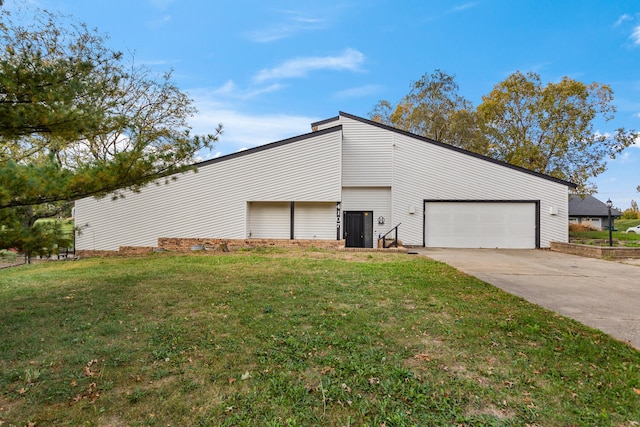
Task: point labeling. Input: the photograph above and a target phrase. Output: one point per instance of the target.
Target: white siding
(428, 171)
(366, 167)
(366, 155)
(311, 220)
(326, 124)
(213, 201)
(376, 199)
(269, 220)
(314, 220)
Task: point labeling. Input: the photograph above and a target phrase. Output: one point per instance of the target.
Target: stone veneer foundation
(225, 245)
(602, 252)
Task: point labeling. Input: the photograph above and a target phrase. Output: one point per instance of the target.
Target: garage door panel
(480, 224)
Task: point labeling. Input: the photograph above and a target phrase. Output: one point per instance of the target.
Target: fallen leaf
(245, 376)
(423, 357)
(232, 380)
(636, 390)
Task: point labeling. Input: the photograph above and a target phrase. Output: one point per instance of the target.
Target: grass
(623, 224)
(280, 338)
(619, 238)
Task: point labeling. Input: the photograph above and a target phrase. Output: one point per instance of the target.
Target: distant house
(590, 211)
(350, 180)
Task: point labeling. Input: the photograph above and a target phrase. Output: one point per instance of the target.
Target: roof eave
(460, 150)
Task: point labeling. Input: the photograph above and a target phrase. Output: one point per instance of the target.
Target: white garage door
(480, 225)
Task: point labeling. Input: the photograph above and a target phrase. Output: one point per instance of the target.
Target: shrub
(581, 227)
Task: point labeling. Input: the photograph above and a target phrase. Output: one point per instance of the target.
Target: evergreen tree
(78, 120)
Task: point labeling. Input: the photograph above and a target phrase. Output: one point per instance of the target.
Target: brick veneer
(176, 244)
(602, 252)
(222, 245)
(123, 250)
(185, 244)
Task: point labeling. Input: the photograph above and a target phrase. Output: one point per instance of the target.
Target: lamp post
(609, 204)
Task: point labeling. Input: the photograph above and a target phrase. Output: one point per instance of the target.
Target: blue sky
(267, 69)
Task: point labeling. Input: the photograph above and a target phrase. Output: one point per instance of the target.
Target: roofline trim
(269, 146)
(459, 150)
(325, 121)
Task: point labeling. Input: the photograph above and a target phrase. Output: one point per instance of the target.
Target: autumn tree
(550, 128)
(631, 212)
(434, 108)
(77, 119)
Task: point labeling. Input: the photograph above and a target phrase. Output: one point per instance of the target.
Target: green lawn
(620, 238)
(623, 224)
(280, 338)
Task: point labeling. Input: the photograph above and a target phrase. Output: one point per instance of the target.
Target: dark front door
(358, 229)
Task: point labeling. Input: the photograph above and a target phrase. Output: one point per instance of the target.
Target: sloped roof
(586, 205)
(269, 146)
(454, 148)
(389, 128)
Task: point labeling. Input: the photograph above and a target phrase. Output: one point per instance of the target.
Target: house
(350, 178)
(587, 210)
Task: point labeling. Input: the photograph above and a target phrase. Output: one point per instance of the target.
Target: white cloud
(350, 60)
(230, 91)
(160, 21)
(242, 130)
(622, 19)
(358, 92)
(294, 23)
(635, 35)
(463, 7)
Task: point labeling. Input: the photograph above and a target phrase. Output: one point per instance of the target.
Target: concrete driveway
(601, 294)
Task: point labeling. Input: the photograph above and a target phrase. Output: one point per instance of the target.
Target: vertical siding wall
(213, 201)
(416, 170)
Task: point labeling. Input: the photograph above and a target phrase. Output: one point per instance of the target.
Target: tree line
(548, 128)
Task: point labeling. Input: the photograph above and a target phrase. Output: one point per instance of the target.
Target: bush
(7, 255)
(577, 228)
